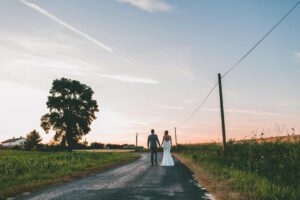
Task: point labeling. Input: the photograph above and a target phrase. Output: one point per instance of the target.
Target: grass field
(22, 171)
(107, 150)
(250, 170)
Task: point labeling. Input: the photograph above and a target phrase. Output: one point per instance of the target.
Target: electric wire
(261, 40)
(240, 60)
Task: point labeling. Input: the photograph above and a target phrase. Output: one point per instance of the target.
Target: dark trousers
(153, 151)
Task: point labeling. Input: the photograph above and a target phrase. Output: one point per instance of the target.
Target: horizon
(150, 64)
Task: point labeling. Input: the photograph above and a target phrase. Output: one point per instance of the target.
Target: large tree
(71, 111)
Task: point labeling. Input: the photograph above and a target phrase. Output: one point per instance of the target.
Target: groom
(153, 143)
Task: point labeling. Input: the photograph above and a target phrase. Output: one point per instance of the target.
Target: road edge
(66, 179)
(208, 183)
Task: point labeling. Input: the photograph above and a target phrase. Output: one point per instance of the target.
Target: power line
(260, 41)
(239, 61)
(199, 106)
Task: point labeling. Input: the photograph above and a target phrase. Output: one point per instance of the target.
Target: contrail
(73, 29)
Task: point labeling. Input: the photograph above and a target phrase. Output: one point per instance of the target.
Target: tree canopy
(33, 140)
(71, 111)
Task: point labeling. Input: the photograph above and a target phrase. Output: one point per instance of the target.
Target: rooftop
(12, 140)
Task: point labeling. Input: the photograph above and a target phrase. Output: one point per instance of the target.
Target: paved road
(136, 180)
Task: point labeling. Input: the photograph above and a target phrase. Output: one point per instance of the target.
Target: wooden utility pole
(222, 111)
(136, 139)
(175, 136)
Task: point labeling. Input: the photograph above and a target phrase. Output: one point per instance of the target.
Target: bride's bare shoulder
(167, 137)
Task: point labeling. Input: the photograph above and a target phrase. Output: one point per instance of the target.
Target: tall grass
(259, 170)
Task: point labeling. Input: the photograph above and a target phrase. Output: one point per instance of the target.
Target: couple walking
(153, 144)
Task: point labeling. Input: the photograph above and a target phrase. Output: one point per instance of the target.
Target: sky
(150, 63)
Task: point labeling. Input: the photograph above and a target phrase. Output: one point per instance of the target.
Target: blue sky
(150, 62)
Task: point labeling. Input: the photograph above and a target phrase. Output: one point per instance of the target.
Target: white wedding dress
(167, 157)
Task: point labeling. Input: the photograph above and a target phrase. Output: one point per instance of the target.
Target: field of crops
(21, 171)
(255, 170)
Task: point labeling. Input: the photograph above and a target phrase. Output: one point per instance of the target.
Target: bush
(97, 145)
(113, 146)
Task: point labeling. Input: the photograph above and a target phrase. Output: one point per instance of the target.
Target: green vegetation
(249, 170)
(72, 110)
(33, 140)
(22, 170)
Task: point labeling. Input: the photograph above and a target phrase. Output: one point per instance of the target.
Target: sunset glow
(150, 64)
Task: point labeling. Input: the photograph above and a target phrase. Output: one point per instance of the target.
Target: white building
(14, 142)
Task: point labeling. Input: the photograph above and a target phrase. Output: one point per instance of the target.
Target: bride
(167, 144)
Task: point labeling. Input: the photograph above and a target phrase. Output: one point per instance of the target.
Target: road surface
(136, 180)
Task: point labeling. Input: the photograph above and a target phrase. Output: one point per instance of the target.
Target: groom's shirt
(153, 140)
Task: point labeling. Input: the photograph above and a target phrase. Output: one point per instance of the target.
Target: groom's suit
(153, 143)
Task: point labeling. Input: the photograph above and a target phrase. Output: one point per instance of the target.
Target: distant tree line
(33, 143)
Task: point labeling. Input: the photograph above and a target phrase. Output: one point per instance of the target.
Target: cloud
(295, 71)
(254, 112)
(113, 121)
(34, 58)
(248, 112)
(73, 29)
(36, 53)
(149, 5)
(128, 79)
(168, 107)
(287, 103)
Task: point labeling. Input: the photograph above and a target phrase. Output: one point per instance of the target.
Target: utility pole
(175, 136)
(136, 140)
(222, 112)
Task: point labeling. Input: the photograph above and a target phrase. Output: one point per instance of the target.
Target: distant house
(14, 142)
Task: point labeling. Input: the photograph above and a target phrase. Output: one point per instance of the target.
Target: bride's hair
(166, 132)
